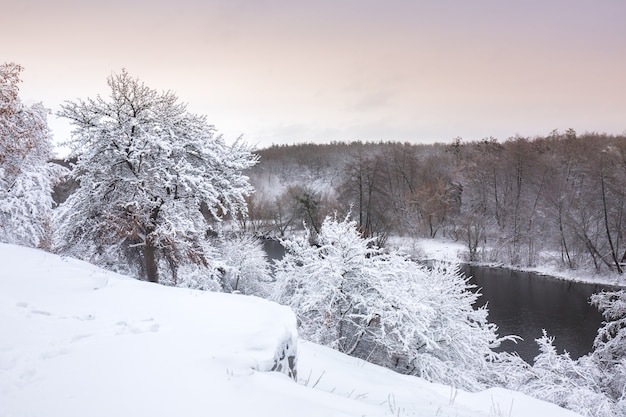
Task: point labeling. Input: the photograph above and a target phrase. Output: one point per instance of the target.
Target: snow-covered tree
(152, 177)
(26, 177)
(385, 308)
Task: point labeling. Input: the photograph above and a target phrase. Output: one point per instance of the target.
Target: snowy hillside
(79, 341)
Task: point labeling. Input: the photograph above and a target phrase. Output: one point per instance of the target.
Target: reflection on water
(523, 303)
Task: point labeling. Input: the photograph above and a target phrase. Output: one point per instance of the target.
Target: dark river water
(274, 250)
(523, 303)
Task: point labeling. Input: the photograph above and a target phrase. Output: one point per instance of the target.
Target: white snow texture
(81, 341)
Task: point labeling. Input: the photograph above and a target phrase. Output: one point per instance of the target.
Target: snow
(80, 341)
(410, 396)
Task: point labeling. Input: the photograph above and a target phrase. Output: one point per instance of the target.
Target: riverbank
(451, 251)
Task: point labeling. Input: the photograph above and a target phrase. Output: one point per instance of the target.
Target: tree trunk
(606, 224)
(564, 241)
(152, 271)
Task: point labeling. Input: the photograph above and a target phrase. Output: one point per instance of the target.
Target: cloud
(372, 100)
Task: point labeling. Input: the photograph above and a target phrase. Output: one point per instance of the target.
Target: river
(524, 303)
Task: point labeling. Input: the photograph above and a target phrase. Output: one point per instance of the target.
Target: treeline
(560, 196)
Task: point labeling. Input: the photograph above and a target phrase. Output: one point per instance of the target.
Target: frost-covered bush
(237, 264)
(197, 277)
(571, 384)
(593, 385)
(610, 343)
(383, 307)
(245, 266)
(26, 176)
(442, 337)
(609, 353)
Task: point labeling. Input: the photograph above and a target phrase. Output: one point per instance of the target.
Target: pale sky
(318, 71)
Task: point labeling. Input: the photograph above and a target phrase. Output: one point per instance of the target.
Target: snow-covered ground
(450, 251)
(79, 341)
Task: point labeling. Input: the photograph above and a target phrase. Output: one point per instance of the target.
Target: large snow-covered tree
(152, 176)
(385, 308)
(26, 176)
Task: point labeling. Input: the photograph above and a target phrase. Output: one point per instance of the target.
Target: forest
(153, 191)
(520, 202)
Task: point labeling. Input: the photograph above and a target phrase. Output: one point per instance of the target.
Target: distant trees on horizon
(516, 201)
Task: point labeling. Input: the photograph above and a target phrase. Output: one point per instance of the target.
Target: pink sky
(292, 71)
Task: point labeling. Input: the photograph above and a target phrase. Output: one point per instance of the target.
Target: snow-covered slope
(79, 341)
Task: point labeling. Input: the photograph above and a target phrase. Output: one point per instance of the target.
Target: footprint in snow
(137, 327)
(7, 362)
(41, 312)
(79, 337)
(54, 353)
(85, 317)
(28, 374)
